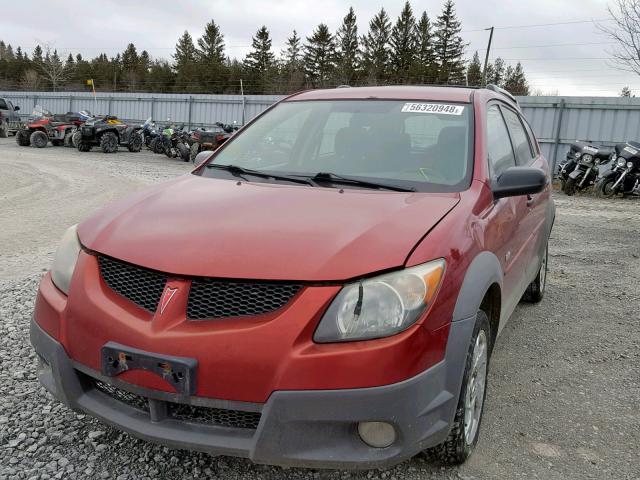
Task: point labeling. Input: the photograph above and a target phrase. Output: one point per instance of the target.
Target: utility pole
(486, 58)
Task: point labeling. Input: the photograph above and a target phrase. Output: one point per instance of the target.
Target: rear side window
(3, 105)
(498, 142)
(519, 137)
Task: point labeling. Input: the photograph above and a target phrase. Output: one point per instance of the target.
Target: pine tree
(423, 69)
(516, 82)
(213, 72)
(260, 62)
(497, 73)
(449, 47)
(211, 45)
(292, 68)
(474, 72)
(292, 54)
(348, 50)
(319, 56)
(626, 92)
(375, 48)
(36, 56)
(185, 58)
(403, 45)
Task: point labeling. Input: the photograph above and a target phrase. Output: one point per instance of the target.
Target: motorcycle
(576, 151)
(584, 173)
(624, 178)
(175, 143)
(148, 132)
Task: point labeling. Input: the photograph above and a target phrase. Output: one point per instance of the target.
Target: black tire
(171, 151)
(569, 187)
(194, 151)
(39, 139)
(68, 140)
(109, 142)
(535, 291)
(159, 146)
(135, 142)
(183, 152)
(604, 187)
(22, 138)
(83, 146)
(4, 130)
(456, 449)
(76, 138)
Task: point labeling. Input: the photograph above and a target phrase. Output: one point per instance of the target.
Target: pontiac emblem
(166, 298)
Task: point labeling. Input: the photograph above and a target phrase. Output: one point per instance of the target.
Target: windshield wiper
(334, 178)
(240, 171)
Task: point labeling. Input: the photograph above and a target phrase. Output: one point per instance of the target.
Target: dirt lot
(564, 391)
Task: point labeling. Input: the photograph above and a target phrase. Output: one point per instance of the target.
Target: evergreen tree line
(413, 50)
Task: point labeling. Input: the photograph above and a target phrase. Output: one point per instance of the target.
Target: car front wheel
(465, 431)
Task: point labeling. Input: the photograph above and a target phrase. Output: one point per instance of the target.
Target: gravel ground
(564, 387)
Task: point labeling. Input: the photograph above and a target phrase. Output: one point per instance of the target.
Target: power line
(506, 27)
(550, 45)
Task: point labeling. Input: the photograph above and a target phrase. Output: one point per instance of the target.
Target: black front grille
(209, 298)
(143, 287)
(215, 416)
(131, 399)
(219, 417)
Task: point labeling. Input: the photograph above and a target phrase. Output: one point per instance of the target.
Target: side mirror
(516, 181)
(202, 157)
(16, 108)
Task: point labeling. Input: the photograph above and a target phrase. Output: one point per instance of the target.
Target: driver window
(499, 145)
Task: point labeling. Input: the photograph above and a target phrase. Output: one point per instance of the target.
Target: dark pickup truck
(9, 119)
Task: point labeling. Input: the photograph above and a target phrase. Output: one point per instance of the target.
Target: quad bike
(43, 127)
(108, 133)
(203, 140)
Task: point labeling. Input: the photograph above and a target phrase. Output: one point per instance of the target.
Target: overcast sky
(570, 59)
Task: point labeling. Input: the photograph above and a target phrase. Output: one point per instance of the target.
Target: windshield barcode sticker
(433, 108)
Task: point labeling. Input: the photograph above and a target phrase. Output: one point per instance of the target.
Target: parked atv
(203, 140)
(43, 126)
(108, 133)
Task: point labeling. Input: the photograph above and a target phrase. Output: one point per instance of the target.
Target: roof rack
(502, 91)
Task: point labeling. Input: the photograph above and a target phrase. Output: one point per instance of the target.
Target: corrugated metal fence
(190, 110)
(557, 121)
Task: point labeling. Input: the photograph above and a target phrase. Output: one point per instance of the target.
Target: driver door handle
(530, 200)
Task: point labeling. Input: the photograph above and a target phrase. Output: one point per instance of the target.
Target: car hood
(198, 226)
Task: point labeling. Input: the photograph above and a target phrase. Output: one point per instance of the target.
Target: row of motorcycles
(177, 142)
(85, 131)
(610, 171)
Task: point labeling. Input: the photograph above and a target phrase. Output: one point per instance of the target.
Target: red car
(325, 290)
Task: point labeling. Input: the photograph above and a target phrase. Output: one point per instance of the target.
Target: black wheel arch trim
(483, 271)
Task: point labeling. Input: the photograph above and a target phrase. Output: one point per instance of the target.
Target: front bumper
(310, 428)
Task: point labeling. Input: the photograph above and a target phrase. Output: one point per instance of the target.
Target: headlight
(629, 164)
(381, 306)
(65, 260)
(577, 154)
(586, 158)
(621, 162)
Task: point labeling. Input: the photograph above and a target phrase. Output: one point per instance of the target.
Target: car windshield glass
(423, 145)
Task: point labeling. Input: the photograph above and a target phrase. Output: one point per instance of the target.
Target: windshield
(423, 145)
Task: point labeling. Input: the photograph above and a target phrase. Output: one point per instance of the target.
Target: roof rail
(502, 91)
